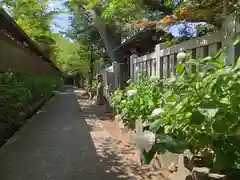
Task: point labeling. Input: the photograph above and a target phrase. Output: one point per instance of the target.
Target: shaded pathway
(56, 145)
(114, 145)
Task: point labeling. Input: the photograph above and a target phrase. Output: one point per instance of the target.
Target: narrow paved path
(55, 144)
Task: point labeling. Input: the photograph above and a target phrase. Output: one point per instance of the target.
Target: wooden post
(116, 75)
(230, 27)
(159, 69)
(132, 67)
(100, 89)
(225, 11)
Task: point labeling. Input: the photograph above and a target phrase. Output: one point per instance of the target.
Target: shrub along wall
(18, 93)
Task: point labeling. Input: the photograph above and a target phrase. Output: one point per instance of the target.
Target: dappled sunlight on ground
(114, 147)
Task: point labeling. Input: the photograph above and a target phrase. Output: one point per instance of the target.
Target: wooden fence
(162, 61)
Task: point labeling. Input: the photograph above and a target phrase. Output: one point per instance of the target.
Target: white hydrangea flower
(129, 81)
(144, 140)
(123, 101)
(157, 111)
(131, 92)
(168, 139)
(137, 69)
(154, 78)
(181, 56)
(171, 79)
(208, 112)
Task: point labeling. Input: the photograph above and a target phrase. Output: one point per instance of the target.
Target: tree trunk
(90, 74)
(111, 38)
(225, 10)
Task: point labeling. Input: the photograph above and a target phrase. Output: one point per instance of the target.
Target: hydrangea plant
(197, 111)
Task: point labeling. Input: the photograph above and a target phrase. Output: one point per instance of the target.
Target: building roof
(8, 24)
(143, 41)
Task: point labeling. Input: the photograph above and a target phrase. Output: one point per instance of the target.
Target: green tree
(111, 18)
(35, 18)
(107, 30)
(90, 43)
(66, 54)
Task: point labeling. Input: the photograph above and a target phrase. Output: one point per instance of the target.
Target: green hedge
(18, 92)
